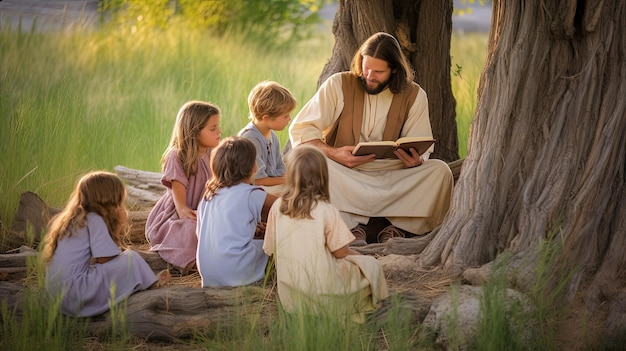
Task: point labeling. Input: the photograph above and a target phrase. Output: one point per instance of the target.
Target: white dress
(309, 277)
(87, 288)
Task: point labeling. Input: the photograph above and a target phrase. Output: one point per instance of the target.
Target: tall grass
(326, 329)
(75, 101)
(36, 323)
(468, 54)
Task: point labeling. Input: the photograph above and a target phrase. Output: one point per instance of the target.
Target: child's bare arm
(179, 195)
(270, 181)
(102, 259)
(267, 204)
(344, 251)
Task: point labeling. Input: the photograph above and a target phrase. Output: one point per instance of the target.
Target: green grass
(77, 101)
(468, 54)
(81, 100)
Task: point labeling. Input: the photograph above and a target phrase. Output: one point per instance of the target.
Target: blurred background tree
(273, 23)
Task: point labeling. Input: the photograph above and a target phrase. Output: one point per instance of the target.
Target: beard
(375, 90)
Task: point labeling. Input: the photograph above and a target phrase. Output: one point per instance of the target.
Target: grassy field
(77, 101)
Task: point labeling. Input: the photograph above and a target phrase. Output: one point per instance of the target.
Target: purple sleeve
(173, 170)
(100, 241)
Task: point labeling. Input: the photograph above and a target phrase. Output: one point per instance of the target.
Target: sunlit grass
(468, 54)
(75, 101)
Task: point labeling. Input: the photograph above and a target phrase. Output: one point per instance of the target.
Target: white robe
(414, 199)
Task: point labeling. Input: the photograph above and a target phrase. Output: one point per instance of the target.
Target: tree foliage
(271, 22)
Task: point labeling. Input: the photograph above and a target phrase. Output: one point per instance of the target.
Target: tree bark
(547, 155)
(424, 29)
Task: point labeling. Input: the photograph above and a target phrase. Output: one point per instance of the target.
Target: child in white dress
(228, 214)
(84, 263)
(316, 269)
(171, 225)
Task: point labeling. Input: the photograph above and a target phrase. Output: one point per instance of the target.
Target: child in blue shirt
(228, 255)
(270, 105)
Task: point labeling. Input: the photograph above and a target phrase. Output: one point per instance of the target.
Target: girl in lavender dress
(84, 263)
(171, 225)
(228, 254)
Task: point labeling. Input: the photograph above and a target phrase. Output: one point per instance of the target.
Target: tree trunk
(547, 147)
(425, 40)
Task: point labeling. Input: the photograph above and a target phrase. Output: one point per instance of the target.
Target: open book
(385, 149)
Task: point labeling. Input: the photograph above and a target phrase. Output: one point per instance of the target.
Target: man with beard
(376, 100)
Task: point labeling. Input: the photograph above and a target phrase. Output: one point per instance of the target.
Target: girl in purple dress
(171, 225)
(84, 263)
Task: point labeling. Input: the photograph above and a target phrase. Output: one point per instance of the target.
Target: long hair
(191, 118)
(232, 162)
(385, 47)
(271, 99)
(306, 183)
(99, 192)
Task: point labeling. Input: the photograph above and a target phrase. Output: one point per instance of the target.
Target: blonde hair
(271, 99)
(306, 183)
(232, 162)
(191, 118)
(100, 192)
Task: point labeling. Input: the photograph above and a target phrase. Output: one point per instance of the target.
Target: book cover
(385, 149)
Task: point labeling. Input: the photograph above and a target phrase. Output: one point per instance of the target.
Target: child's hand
(187, 213)
(100, 260)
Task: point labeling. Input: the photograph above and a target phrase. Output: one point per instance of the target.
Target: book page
(385, 149)
(412, 139)
(421, 146)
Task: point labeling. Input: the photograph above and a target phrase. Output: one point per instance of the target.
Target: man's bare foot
(163, 278)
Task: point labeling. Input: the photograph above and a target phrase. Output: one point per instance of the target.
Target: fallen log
(179, 312)
(175, 313)
(16, 262)
(137, 230)
(455, 167)
(29, 224)
(144, 188)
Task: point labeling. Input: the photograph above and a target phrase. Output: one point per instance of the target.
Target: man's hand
(412, 160)
(342, 155)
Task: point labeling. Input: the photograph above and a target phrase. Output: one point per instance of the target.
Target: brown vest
(347, 129)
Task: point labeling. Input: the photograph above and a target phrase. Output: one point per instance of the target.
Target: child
(228, 256)
(81, 250)
(316, 270)
(270, 105)
(171, 225)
